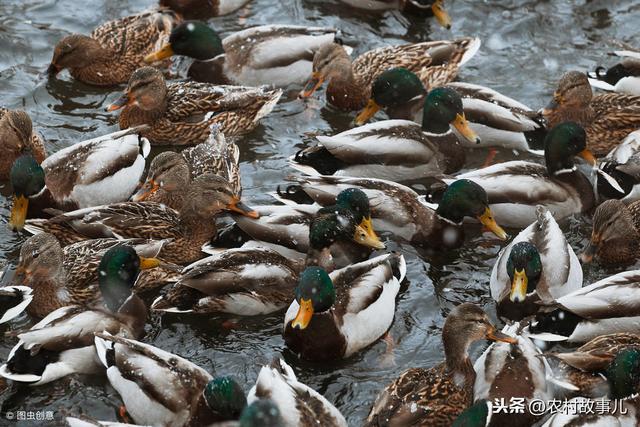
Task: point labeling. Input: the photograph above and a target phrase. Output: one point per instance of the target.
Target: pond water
(527, 45)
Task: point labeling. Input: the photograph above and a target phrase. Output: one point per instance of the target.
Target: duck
(274, 55)
(399, 210)
(495, 119)
(18, 136)
(434, 8)
(59, 276)
(516, 188)
(203, 9)
(62, 343)
(623, 77)
(436, 396)
(586, 368)
(349, 82)
(181, 113)
(537, 265)
(115, 49)
(161, 388)
(566, 416)
(605, 307)
(334, 315)
(477, 415)
(170, 172)
(186, 230)
(394, 150)
(100, 170)
(246, 281)
(615, 233)
(299, 404)
(513, 371)
(621, 165)
(14, 299)
(607, 118)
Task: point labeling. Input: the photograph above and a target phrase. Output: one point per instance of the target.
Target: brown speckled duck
(436, 396)
(349, 82)
(607, 118)
(115, 49)
(18, 137)
(181, 113)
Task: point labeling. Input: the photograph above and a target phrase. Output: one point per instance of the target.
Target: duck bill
(590, 251)
(304, 315)
(147, 190)
(519, 286)
(588, 157)
(366, 235)
(123, 101)
(312, 85)
(53, 70)
(237, 206)
(551, 107)
(487, 220)
(462, 125)
(441, 15)
(495, 335)
(18, 213)
(147, 263)
(165, 52)
(23, 274)
(369, 111)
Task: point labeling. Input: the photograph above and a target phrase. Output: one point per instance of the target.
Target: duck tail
(13, 301)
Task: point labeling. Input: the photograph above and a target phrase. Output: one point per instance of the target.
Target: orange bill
(237, 206)
(304, 315)
(312, 85)
(369, 111)
(165, 52)
(18, 213)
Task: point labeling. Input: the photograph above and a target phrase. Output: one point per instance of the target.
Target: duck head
(168, 172)
(27, 179)
(194, 39)
(356, 201)
(146, 90)
(572, 94)
(225, 398)
(75, 51)
(612, 233)
(211, 194)
(330, 61)
(443, 110)
(260, 413)
(562, 144)
(524, 268)
(41, 259)
(623, 374)
(315, 294)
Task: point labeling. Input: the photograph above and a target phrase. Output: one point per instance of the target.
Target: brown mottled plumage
(615, 238)
(115, 49)
(18, 137)
(203, 9)
(607, 118)
(349, 88)
(435, 397)
(182, 113)
(187, 230)
(69, 276)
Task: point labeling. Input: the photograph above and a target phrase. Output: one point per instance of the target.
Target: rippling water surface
(527, 45)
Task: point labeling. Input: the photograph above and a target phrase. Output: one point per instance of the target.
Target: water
(527, 45)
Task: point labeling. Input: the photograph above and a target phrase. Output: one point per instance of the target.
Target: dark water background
(527, 45)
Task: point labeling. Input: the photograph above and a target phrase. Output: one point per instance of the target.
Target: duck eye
(35, 254)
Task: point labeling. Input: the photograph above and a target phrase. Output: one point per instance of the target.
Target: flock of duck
(110, 245)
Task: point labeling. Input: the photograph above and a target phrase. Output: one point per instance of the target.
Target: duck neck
(458, 363)
(583, 115)
(133, 115)
(134, 314)
(320, 258)
(195, 226)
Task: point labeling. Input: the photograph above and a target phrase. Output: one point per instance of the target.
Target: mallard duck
(433, 8)
(62, 343)
(394, 149)
(89, 173)
(623, 77)
(512, 370)
(18, 137)
(494, 118)
(615, 237)
(115, 49)
(477, 415)
(436, 396)
(349, 83)
(14, 300)
(626, 415)
(623, 165)
(515, 188)
(186, 230)
(181, 113)
(604, 307)
(586, 368)
(240, 281)
(163, 389)
(203, 9)
(69, 276)
(299, 404)
(607, 118)
(537, 265)
(398, 209)
(275, 55)
(170, 173)
(335, 315)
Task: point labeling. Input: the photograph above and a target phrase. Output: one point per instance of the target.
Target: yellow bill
(487, 220)
(519, 286)
(588, 156)
(462, 125)
(441, 15)
(369, 111)
(147, 263)
(304, 315)
(147, 190)
(237, 206)
(312, 85)
(366, 235)
(165, 52)
(18, 213)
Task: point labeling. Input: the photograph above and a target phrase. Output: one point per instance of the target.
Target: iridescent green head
(27, 176)
(562, 144)
(355, 200)
(261, 413)
(623, 374)
(476, 415)
(194, 39)
(466, 198)
(396, 86)
(225, 398)
(339, 223)
(443, 109)
(524, 268)
(315, 294)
